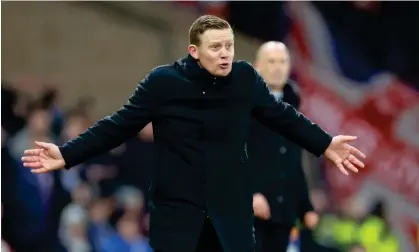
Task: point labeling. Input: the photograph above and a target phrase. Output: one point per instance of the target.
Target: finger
(31, 159)
(350, 166)
(356, 161)
(32, 152)
(43, 145)
(347, 138)
(342, 169)
(357, 152)
(40, 170)
(33, 165)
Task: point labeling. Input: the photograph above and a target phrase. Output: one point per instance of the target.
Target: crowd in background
(97, 206)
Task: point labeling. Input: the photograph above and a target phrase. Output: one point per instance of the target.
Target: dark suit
(277, 171)
(200, 125)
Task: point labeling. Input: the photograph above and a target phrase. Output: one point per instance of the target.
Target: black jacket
(276, 165)
(200, 125)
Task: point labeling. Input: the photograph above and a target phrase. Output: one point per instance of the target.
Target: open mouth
(224, 66)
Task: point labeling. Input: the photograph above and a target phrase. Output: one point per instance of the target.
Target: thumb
(43, 145)
(347, 138)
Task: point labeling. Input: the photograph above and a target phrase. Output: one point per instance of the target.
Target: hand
(47, 157)
(261, 207)
(344, 155)
(311, 219)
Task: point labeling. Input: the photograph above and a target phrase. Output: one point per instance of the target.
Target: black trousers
(271, 237)
(208, 240)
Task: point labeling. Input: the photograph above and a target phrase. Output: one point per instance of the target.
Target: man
(280, 188)
(201, 199)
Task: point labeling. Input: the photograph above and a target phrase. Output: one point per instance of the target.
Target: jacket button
(280, 199)
(206, 214)
(282, 150)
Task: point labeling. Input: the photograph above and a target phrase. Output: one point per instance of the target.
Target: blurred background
(67, 64)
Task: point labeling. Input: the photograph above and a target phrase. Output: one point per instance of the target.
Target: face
(74, 127)
(82, 195)
(273, 64)
(128, 228)
(100, 211)
(39, 121)
(216, 51)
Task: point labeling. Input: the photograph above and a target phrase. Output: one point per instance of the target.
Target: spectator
(73, 233)
(128, 238)
(76, 122)
(38, 127)
(131, 201)
(100, 228)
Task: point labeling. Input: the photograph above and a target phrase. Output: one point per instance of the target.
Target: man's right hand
(311, 219)
(47, 157)
(261, 207)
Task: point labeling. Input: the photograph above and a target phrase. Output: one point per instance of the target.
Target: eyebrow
(220, 42)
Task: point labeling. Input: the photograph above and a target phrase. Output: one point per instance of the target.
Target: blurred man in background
(281, 193)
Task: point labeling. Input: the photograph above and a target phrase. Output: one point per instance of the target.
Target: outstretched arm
(284, 119)
(115, 129)
(104, 135)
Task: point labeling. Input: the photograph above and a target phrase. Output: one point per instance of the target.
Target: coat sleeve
(115, 129)
(286, 120)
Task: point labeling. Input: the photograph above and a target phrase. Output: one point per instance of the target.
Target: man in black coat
(200, 108)
(281, 193)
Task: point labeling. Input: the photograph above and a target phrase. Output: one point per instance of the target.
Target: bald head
(270, 47)
(273, 64)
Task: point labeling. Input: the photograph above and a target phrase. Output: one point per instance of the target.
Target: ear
(193, 51)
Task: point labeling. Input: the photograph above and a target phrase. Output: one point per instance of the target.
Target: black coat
(276, 165)
(200, 125)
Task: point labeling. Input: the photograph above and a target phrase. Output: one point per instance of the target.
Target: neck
(276, 88)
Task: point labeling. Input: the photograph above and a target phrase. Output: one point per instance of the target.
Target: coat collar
(195, 71)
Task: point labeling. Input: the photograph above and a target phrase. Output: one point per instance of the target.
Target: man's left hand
(343, 155)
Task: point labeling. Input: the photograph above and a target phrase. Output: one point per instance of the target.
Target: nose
(277, 68)
(224, 53)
